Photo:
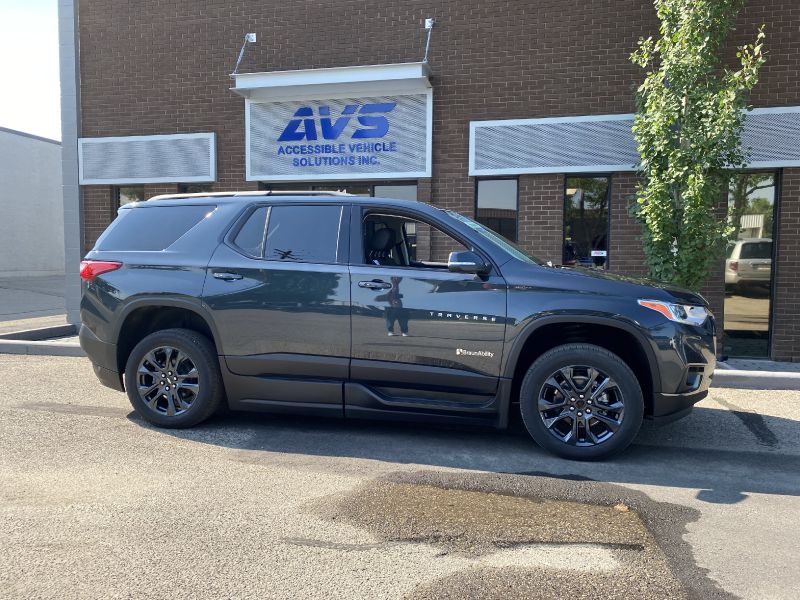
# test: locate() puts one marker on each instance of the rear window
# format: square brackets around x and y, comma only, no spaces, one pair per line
[153,228]
[756,250]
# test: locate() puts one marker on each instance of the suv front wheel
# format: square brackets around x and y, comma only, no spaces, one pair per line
[581,402]
[172,378]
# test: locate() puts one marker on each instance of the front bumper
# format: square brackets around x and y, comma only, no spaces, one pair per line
[104,358]
[687,360]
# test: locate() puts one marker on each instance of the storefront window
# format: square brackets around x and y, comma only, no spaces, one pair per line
[403,191]
[586,222]
[748,265]
[129,193]
[194,188]
[496,206]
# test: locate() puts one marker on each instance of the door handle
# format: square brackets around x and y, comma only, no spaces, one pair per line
[225,276]
[375,284]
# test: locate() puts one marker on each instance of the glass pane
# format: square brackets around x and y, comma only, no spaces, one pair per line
[748,266]
[303,233]
[497,206]
[402,192]
[151,228]
[130,193]
[409,243]
[194,188]
[251,236]
[586,222]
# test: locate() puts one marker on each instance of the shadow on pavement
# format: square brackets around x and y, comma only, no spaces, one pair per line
[724,475]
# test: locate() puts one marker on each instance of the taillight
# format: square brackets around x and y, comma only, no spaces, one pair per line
[733,265]
[92,268]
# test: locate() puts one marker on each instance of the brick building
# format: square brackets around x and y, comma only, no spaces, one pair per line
[520,117]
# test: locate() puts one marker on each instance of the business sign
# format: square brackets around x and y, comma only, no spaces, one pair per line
[386,137]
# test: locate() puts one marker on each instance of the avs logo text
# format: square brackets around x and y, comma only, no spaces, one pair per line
[307,126]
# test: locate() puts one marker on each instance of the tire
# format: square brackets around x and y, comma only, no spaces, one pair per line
[546,379]
[178,396]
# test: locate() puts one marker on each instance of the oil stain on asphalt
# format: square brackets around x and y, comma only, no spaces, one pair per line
[529,535]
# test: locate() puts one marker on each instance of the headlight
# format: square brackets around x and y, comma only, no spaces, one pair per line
[681,313]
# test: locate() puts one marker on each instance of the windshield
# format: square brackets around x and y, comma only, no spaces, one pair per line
[496,239]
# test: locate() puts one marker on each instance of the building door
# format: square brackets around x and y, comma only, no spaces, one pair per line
[749,265]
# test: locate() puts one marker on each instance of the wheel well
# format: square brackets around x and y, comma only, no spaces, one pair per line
[620,342]
[143,321]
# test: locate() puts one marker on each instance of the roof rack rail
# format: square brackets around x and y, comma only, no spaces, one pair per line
[250,194]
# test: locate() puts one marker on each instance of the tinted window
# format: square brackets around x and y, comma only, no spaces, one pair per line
[303,233]
[151,228]
[251,236]
[756,250]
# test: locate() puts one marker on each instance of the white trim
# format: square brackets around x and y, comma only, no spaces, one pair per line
[277,82]
[429,134]
[543,170]
[576,119]
[774,110]
[211,137]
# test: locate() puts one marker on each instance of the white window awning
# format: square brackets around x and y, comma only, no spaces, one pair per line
[397,78]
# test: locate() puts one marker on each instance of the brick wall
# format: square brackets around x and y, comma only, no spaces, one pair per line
[625,253]
[163,67]
[786,299]
[541,215]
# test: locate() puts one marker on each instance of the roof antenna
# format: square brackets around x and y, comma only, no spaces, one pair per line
[249,38]
[429,28]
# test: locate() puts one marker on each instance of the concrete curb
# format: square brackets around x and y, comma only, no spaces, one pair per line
[41,348]
[40,334]
[756,380]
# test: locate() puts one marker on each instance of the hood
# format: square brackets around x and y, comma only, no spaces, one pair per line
[580,279]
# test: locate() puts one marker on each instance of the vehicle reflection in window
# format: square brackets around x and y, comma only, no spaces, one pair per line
[748,265]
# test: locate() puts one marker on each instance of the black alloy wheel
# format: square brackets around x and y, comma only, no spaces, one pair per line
[173,379]
[582,402]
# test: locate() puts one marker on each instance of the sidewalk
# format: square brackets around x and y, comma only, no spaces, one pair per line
[31,302]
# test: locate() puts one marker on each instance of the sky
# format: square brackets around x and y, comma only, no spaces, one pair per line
[30,93]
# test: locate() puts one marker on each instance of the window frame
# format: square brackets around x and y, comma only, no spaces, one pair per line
[609,177]
[362,211]
[342,250]
[516,204]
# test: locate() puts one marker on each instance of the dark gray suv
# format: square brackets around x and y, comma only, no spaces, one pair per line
[329,304]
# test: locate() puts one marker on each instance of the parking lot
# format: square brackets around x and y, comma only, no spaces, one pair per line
[94,503]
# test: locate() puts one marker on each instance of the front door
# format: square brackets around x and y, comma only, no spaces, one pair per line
[280,293]
[424,339]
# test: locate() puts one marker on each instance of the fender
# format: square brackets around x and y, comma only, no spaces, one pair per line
[193,305]
[530,329]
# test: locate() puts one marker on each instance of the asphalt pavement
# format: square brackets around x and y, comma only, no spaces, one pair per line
[94,503]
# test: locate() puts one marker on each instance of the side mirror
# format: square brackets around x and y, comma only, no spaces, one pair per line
[467,262]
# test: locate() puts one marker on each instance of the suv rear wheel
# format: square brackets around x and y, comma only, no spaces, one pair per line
[172,378]
[581,402]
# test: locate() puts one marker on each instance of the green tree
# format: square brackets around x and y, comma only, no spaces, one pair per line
[688,123]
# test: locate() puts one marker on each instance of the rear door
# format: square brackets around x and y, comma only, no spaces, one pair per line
[279,292]
[425,340]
